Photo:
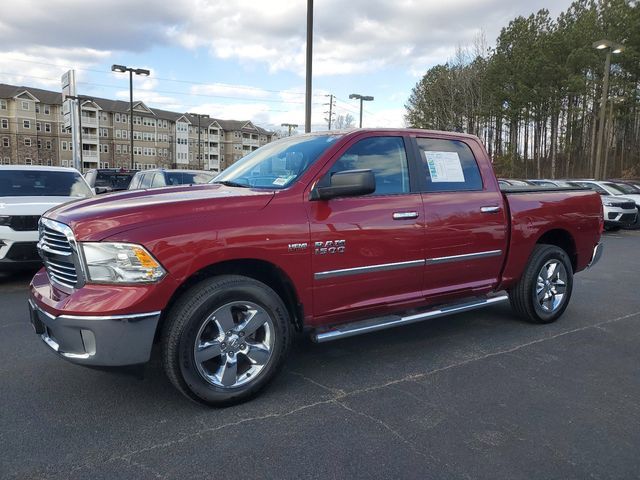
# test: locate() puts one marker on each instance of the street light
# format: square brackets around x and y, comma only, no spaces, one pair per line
[362,98]
[138,71]
[200,116]
[290,126]
[610,47]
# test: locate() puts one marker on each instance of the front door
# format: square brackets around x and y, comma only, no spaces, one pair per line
[368,251]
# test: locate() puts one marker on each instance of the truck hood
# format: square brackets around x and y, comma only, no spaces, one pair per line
[103,216]
[30,205]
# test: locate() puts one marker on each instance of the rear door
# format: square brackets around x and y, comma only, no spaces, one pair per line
[367,252]
[466,222]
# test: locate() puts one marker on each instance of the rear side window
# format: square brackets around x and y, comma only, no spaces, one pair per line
[158,180]
[448,165]
[385,157]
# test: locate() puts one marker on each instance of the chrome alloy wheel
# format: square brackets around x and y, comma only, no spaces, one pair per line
[551,285]
[234,344]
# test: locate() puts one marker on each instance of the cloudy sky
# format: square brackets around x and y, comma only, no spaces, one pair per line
[244,59]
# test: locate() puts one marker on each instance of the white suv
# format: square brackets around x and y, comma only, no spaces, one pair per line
[620,209]
[25,194]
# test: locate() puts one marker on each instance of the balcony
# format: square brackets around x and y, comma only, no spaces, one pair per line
[89,154]
[250,141]
[89,138]
[89,121]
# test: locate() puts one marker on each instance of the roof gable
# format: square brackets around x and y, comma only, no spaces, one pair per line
[25,95]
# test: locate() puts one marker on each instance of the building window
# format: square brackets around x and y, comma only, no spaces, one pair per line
[3,104]
[118,148]
[7,160]
[64,145]
[25,105]
[47,145]
[5,141]
[27,161]
[37,108]
[65,163]
[104,164]
[47,127]
[117,117]
[39,143]
[26,124]
[5,123]
[62,129]
[47,110]
[27,142]
[38,126]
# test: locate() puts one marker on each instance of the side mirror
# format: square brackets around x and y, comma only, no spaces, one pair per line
[101,190]
[350,183]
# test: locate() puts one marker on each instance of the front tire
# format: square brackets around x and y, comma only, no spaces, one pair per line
[225,339]
[543,292]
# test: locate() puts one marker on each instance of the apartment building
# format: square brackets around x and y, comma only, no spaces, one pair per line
[32,133]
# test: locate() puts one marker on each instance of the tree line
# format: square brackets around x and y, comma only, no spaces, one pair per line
[534,98]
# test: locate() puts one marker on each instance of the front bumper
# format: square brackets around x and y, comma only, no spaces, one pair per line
[114,340]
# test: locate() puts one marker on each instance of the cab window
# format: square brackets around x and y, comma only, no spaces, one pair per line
[448,165]
[385,157]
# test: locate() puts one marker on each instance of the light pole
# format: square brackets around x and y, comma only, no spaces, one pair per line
[290,126]
[137,71]
[610,47]
[199,116]
[307,95]
[362,98]
[330,112]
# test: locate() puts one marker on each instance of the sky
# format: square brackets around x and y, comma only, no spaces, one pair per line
[245,60]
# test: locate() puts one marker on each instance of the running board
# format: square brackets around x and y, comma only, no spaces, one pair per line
[381,323]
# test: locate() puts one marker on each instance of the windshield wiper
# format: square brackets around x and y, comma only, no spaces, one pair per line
[230,183]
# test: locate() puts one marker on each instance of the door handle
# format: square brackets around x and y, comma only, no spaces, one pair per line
[490,209]
[405,215]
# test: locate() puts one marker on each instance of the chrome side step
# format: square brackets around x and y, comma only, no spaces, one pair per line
[381,323]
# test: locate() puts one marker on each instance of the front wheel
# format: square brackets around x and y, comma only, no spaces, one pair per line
[225,339]
[543,292]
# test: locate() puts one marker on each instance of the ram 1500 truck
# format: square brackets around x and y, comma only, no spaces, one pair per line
[334,233]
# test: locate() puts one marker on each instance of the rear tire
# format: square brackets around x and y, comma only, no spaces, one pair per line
[544,290]
[225,339]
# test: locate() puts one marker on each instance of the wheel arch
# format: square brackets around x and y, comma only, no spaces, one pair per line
[563,239]
[260,270]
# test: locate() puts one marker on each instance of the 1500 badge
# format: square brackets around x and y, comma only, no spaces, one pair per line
[330,246]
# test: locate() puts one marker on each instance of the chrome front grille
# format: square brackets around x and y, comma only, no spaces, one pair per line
[54,241]
[57,249]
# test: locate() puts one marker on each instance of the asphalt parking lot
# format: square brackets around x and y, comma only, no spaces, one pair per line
[477,395]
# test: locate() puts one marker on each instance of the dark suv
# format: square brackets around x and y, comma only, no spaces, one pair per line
[166,178]
[105,180]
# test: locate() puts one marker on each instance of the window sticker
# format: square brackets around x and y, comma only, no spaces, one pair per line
[444,167]
[280,181]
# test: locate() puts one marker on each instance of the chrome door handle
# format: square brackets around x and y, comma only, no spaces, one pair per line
[490,209]
[405,215]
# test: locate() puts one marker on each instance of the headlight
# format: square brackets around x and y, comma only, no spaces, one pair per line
[608,204]
[5,220]
[120,263]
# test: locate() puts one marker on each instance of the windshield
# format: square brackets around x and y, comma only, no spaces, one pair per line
[116,181]
[278,164]
[185,178]
[623,187]
[34,183]
[592,186]
[614,189]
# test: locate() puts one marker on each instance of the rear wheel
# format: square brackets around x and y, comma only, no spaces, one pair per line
[225,339]
[543,292]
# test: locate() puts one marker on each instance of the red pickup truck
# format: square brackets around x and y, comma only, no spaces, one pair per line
[334,233]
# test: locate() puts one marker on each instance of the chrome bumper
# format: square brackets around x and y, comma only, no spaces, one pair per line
[115,340]
[597,254]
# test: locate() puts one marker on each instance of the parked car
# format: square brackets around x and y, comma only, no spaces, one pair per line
[619,211]
[543,183]
[25,194]
[165,178]
[616,189]
[334,233]
[512,182]
[105,180]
